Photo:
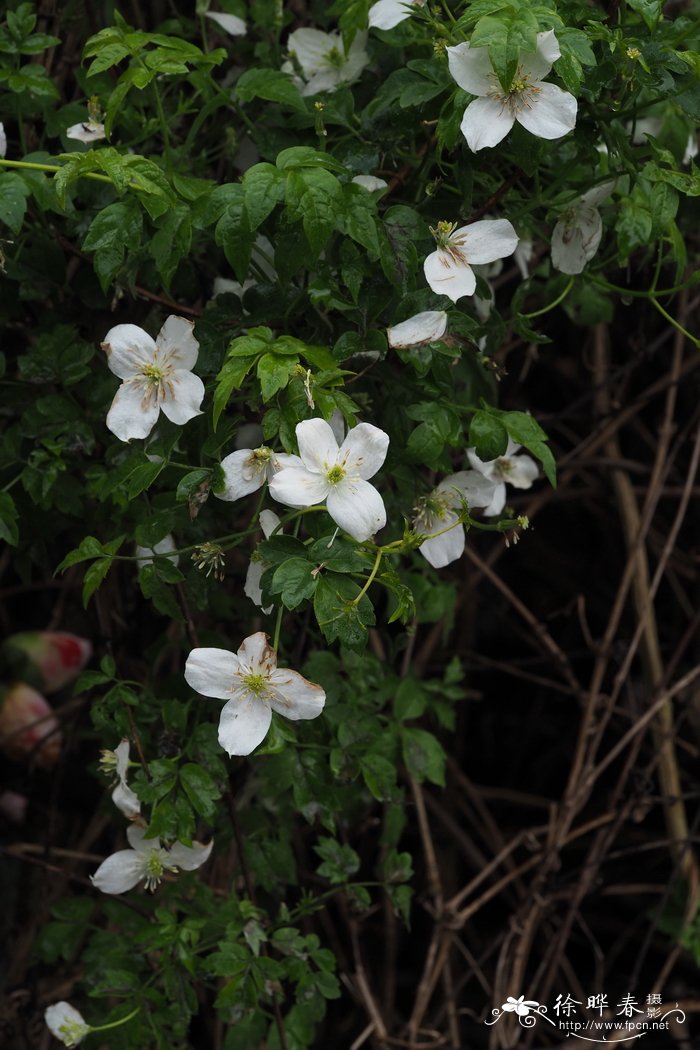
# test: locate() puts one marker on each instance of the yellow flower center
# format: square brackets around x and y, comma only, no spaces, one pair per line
[153,374]
[255,683]
[335,474]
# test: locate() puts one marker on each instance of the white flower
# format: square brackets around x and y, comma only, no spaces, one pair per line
[386,14]
[543,109]
[257,565]
[247,469]
[66,1023]
[123,797]
[337,475]
[518,471]
[448,270]
[577,234]
[164,547]
[323,61]
[156,375]
[422,328]
[230,23]
[691,149]
[523,255]
[3,140]
[520,1006]
[148,860]
[439,513]
[88,131]
[370,182]
[254,687]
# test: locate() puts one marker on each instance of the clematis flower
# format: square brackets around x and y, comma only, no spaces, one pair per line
[45,659]
[323,61]
[123,797]
[386,14]
[543,109]
[337,475]
[448,270]
[257,565]
[231,24]
[370,182]
[146,860]
[28,726]
[157,375]
[66,1023]
[518,471]
[576,236]
[247,469]
[88,131]
[164,547]
[439,513]
[253,687]
[422,328]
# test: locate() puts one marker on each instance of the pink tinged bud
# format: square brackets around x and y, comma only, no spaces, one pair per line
[13,806]
[28,726]
[56,657]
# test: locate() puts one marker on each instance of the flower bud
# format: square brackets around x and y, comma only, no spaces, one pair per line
[28,726]
[47,660]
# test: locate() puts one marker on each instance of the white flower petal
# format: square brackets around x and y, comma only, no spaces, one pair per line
[386,14]
[136,835]
[522,255]
[212,672]
[120,872]
[65,1022]
[498,502]
[599,193]
[128,349]
[337,425]
[257,654]
[121,753]
[89,131]
[551,114]
[448,546]
[477,489]
[448,277]
[357,508]
[251,587]
[485,241]
[370,182]
[295,697]
[189,858]
[364,450]
[243,474]
[133,413]
[244,724]
[325,80]
[176,343]
[575,242]
[183,396]
[268,522]
[231,23]
[522,471]
[425,327]
[3,140]
[317,445]
[486,122]
[298,487]
[471,68]
[536,66]
[310,47]
[163,547]
[126,801]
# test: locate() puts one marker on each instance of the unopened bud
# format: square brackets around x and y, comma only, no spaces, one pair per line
[45,659]
[28,726]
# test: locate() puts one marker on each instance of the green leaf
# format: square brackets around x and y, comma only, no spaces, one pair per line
[230,378]
[487,435]
[424,756]
[315,197]
[650,10]
[263,189]
[13,200]
[9,529]
[272,85]
[89,548]
[305,157]
[513,31]
[340,862]
[112,233]
[234,234]
[410,700]
[94,576]
[294,581]
[379,775]
[274,373]
[200,788]
[339,614]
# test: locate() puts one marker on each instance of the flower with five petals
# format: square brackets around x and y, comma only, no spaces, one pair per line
[156,376]
[253,686]
[337,475]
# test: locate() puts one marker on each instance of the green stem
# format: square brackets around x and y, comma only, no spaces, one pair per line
[550,306]
[671,320]
[115,1024]
[368,582]
[53,168]
[278,628]
[165,134]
